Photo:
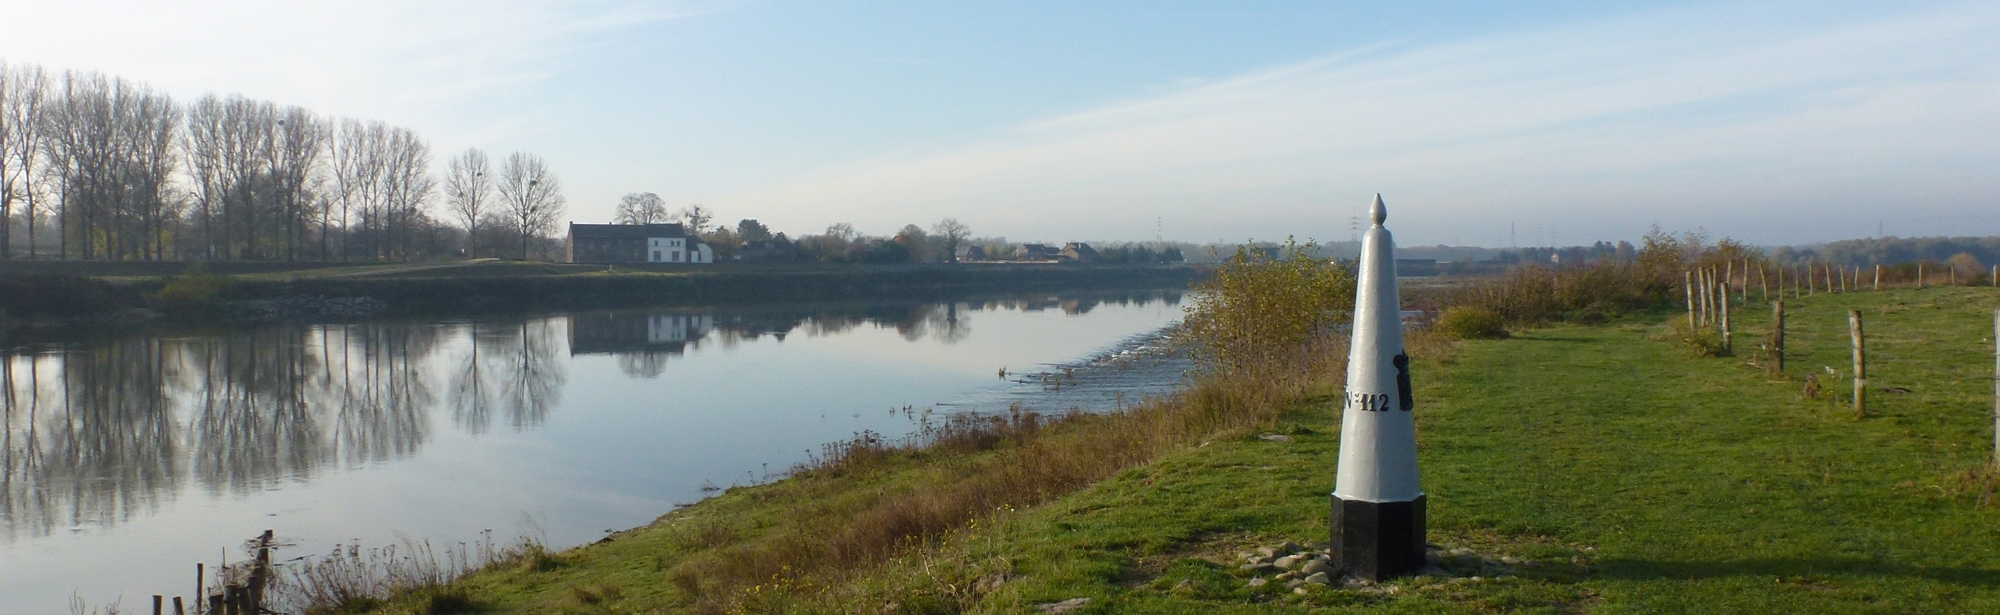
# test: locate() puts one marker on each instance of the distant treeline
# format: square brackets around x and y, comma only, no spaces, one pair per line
[31,298]
[1966,251]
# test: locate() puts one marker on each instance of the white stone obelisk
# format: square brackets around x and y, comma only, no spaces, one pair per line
[1378,505]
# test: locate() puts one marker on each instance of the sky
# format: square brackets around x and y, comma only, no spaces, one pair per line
[1480,123]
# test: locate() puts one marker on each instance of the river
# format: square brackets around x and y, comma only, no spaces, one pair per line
[126,460]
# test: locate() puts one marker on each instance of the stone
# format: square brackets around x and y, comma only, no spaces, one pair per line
[1289,575]
[1319,578]
[1267,551]
[1275,437]
[1291,547]
[1509,560]
[1318,566]
[1258,568]
[1289,561]
[1432,558]
[1258,582]
[1065,606]
[1301,590]
[1246,556]
[1294,583]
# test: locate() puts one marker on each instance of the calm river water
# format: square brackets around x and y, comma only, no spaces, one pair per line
[127,460]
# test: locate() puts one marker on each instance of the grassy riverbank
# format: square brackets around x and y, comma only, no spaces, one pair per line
[1622,472]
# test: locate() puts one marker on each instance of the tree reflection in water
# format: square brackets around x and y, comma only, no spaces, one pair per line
[95,433]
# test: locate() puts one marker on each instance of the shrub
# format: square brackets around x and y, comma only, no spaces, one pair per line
[1468,322]
[1257,312]
[195,287]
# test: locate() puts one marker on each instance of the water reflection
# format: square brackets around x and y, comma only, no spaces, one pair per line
[98,433]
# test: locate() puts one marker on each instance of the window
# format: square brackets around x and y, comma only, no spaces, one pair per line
[656,256]
[677,257]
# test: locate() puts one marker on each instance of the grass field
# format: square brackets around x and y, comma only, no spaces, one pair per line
[1624,473]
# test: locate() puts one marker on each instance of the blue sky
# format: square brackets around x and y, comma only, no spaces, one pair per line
[1568,122]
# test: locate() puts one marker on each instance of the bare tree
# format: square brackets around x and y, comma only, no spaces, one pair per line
[533,196]
[10,170]
[298,147]
[407,186]
[467,184]
[21,142]
[697,218]
[949,233]
[642,208]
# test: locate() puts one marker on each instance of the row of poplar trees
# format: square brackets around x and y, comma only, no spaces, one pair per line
[97,167]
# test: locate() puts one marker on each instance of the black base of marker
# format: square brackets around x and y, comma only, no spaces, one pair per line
[1378,540]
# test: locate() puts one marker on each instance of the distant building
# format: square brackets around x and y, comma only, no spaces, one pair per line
[634,243]
[1076,252]
[971,253]
[1416,267]
[1036,252]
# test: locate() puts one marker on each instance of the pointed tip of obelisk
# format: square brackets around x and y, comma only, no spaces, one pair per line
[1377,212]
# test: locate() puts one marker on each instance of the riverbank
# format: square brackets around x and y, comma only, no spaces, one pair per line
[53,294]
[1570,468]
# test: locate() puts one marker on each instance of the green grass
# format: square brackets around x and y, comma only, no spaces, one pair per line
[1632,475]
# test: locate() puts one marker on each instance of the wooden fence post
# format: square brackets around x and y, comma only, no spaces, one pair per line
[1878,277]
[1778,340]
[1727,348]
[1996,387]
[1860,363]
[1687,282]
[1701,282]
[1843,277]
[1764,285]
[1920,275]
[1744,296]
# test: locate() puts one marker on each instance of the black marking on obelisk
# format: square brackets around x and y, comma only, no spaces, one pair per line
[1403,394]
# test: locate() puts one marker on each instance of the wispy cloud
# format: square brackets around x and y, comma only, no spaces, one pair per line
[1737,119]
[416,61]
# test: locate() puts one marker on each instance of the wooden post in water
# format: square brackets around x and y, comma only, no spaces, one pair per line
[200,583]
[159,604]
[179,609]
[1860,363]
[1778,341]
[1727,348]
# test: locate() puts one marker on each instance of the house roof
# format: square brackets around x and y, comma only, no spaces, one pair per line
[625,231]
[1080,249]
